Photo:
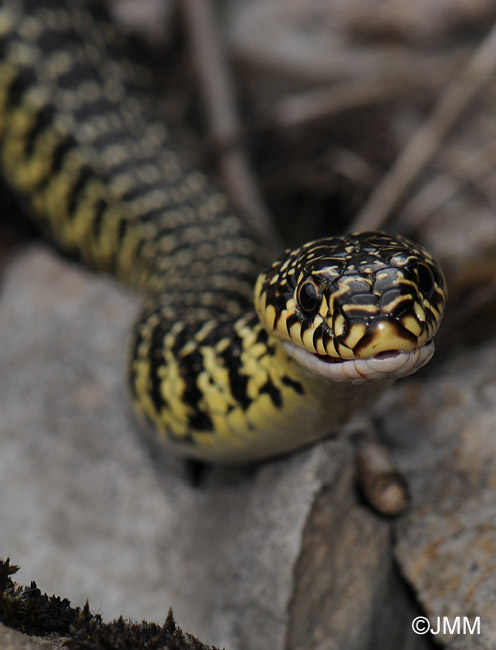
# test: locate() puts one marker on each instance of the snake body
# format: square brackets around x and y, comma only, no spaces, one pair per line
[217,375]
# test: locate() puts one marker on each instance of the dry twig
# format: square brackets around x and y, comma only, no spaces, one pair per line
[318,103]
[427,140]
[383,487]
[470,170]
[221,114]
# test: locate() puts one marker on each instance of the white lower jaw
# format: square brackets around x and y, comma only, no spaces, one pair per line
[362,371]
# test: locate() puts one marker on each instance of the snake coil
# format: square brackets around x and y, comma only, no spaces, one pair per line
[83,146]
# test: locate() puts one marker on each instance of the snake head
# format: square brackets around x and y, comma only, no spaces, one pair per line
[356,308]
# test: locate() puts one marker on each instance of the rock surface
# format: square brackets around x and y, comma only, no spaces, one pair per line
[444,441]
[280,556]
[13,640]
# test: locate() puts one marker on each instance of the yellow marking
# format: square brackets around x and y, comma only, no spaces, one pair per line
[307,339]
[215,398]
[270,315]
[212,206]
[113,89]
[334,296]
[344,352]
[368,309]
[411,324]
[64,124]
[30,171]
[386,337]
[149,174]
[419,312]
[26,54]
[205,331]
[295,331]
[282,325]
[56,18]
[151,201]
[114,155]
[21,121]
[426,336]
[195,183]
[7,20]
[121,184]
[172,387]
[89,92]
[188,348]
[339,325]
[58,63]
[30,28]
[324,307]
[355,333]
[320,346]
[222,345]
[330,349]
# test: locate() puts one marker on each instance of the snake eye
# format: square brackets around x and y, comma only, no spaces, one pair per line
[426,280]
[309,296]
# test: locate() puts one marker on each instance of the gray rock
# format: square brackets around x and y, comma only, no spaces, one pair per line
[13,640]
[280,556]
[444,441]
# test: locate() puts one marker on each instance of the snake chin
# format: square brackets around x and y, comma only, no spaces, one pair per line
[386,365]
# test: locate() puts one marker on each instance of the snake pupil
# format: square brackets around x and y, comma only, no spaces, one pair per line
[309,296]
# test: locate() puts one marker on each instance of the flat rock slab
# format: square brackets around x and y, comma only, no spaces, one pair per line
[281,556]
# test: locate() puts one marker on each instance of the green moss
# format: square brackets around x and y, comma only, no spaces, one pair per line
[28,610]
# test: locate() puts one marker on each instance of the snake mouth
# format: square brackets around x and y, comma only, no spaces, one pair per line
[391,364]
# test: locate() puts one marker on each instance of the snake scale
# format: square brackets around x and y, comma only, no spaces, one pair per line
[228,362]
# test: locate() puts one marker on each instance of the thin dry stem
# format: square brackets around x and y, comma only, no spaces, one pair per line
[315,104]
[221,114]
[470,170]
[425,143]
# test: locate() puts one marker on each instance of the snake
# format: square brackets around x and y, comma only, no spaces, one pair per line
[233,357]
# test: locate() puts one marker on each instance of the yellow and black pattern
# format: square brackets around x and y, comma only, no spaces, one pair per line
[83,145]
[353,297]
